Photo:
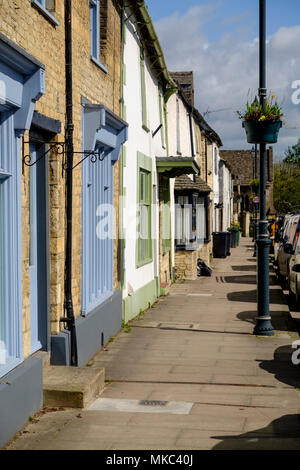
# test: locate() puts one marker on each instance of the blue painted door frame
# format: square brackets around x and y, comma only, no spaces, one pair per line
[98,232]
[39,219]
[22,83]
[102,130]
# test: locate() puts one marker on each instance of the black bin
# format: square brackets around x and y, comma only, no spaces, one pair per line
[221,244]
[228,239]
[233,242]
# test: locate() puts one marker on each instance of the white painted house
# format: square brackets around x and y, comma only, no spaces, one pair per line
[217,204]
[146,87]
[190,200]
[226,195]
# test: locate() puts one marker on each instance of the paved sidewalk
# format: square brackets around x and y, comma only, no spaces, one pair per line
[194,346]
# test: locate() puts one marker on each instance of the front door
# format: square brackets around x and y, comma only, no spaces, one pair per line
[98,232]
[38,262]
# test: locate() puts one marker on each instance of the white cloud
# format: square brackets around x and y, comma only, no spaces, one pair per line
[224,71]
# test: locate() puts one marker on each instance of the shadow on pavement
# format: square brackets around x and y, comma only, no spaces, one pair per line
[280,320]
[248,316]
[246,279]
[282,366]
[249,267]
[276,296]
[281,434]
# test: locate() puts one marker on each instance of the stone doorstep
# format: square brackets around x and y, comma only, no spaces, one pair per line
[72,387]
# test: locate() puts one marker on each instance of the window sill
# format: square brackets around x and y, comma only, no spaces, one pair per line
[188,247]
[45,12]
[101,66]
[145,128]
[140,264]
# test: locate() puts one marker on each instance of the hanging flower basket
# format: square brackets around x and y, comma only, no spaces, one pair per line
[262,132]
[262,123]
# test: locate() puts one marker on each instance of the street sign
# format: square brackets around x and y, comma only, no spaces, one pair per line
[256,200]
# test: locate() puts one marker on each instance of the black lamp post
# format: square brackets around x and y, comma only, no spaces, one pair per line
[255,203]
[263,320]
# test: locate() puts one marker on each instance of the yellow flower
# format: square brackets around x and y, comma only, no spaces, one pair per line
[262,118]
[273,96]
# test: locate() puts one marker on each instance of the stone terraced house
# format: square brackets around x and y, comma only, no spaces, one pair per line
[99,143]
[39,114]
[242,165]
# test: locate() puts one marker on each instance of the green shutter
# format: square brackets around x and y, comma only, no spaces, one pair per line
[144,208]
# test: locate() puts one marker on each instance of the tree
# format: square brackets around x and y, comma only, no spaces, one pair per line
[286,187]
[292,154]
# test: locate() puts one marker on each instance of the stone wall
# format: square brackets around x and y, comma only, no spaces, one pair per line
[24,24]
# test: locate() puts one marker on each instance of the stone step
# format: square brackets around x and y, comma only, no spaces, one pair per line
[72,387]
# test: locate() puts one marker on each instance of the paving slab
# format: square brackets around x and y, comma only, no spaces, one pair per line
[194,346]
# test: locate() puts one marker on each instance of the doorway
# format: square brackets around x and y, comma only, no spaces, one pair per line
[39,248]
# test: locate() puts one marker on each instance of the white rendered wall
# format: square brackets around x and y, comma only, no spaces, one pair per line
[139,140]
[216,187]
[185,140]
[185,149]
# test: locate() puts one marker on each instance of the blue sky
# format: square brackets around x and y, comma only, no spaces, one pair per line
[232,14]
[218,40]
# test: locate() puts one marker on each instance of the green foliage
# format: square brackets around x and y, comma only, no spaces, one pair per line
[255,111]
[126,327]
[286,187]
[254,184]
[292,154]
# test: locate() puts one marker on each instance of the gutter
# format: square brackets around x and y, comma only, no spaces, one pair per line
[143,17]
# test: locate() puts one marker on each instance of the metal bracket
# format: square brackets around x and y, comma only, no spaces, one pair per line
[262,92]
[26,158]
[156,130]
[96,155]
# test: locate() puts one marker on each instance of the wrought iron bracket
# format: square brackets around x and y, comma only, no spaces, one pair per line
[95,155]
[27,158]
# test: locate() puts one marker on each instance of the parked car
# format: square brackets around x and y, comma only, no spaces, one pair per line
[294,277]
[280,221]
[271,232]
[287,247]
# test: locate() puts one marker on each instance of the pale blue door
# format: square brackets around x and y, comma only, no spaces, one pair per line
[98,233]
[33,256]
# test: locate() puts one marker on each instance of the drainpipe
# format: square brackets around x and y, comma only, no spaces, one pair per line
[68,304]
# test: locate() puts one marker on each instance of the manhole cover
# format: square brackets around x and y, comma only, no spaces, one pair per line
[153,403]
